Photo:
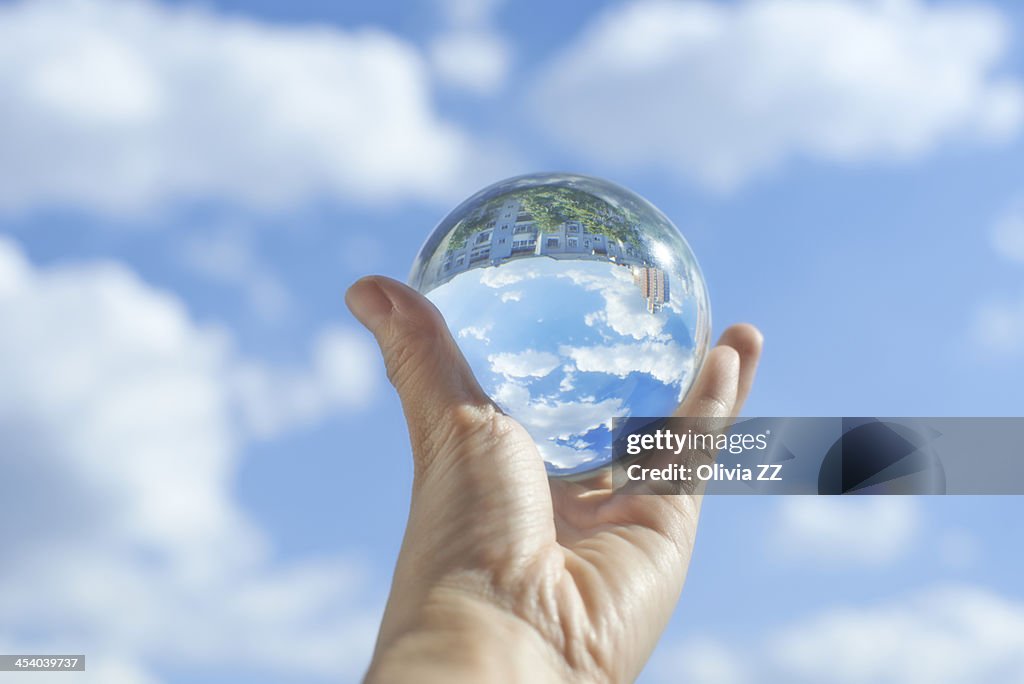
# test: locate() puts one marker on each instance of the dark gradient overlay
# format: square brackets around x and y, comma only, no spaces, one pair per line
[819,455]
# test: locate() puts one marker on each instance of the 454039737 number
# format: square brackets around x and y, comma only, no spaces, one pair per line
[42,663]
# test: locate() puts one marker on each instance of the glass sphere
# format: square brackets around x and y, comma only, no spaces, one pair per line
[574,300]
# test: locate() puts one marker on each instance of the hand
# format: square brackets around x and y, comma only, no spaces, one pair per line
[505,575]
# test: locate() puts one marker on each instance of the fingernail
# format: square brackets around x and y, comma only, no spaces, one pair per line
[368,302]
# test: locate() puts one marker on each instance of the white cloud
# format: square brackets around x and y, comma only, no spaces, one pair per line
[551,422]
[864,530]
[723,92]
[474,60]
[1008,234]
[117,510]
[469,53]
[529,363]
[998,327]
[507,275]
[667,362]
[477,332]
[513,296]
[122,106]
[942,635]
[625,311]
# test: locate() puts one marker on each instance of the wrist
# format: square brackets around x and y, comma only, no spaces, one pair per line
[477,643]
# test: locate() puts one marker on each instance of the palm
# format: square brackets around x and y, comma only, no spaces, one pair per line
[601,546]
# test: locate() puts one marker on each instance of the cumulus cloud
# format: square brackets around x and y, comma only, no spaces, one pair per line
[667,362]
[470,54]
[122,422]
[723,92]
[625,311]
[511,274]
[551,422]
[568,381]
[471,59]
[946,635]
[865,530]
[513,296]
[529,363]
[942,635]
[477,332]
[120,106]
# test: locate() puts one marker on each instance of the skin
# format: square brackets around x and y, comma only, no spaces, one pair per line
[505,575]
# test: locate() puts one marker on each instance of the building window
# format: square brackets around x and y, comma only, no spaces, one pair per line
[482,238]
[586,243]
[572,242]
[461,260]
[501,241]
[552,242]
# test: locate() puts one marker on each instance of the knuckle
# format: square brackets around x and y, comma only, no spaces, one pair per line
[480,421]
[714,406]
[472,427]
[463,429]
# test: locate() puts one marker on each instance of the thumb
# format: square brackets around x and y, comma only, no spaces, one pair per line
[439,393]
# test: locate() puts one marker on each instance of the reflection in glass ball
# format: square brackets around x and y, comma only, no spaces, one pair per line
[574,300]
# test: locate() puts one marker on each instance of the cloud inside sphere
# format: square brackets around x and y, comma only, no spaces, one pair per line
[574,301]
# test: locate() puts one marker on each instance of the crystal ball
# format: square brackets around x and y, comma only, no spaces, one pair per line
[574,300]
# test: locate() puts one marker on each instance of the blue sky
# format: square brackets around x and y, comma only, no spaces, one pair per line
[204,460]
